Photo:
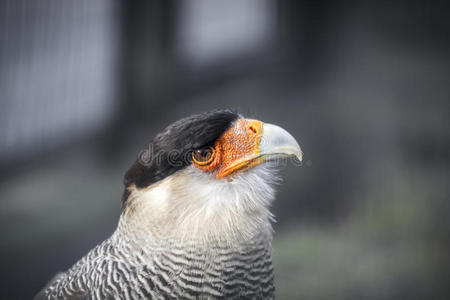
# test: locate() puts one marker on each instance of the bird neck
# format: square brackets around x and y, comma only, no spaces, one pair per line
[207,244]
[180,210]
[203,228]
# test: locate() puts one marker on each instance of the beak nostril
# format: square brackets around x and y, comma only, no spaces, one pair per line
[252,128]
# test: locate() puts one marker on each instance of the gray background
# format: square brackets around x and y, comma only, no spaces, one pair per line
[364,86]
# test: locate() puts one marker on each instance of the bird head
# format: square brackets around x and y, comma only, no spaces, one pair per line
[207,174]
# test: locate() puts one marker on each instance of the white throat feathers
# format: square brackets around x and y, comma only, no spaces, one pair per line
[192,205]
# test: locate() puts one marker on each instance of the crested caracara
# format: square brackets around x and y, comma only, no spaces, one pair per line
[195,222]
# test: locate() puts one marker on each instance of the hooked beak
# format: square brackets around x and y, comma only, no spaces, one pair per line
[276,142]
[251,142]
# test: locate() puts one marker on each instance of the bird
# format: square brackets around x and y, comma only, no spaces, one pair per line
[195,220]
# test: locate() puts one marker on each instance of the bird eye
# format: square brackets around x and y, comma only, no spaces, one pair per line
[203,156]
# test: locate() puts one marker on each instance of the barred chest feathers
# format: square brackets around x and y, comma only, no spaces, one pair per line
[217,247]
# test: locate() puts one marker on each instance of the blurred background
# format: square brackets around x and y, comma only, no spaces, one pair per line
[363,85]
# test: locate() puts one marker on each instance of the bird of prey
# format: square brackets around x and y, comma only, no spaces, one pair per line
[195,222]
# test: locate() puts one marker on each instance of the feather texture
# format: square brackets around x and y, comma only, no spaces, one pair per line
[179,239]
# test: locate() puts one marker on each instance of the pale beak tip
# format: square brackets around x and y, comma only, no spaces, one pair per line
[277,140]
[299,155]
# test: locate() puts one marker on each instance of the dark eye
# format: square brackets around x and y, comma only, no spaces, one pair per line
[203,156]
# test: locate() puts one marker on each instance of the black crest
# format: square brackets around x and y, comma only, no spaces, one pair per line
[171,149]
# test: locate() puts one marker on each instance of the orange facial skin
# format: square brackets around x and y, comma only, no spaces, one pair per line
[236,150]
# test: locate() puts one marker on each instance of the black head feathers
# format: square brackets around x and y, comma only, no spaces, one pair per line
[171,149]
